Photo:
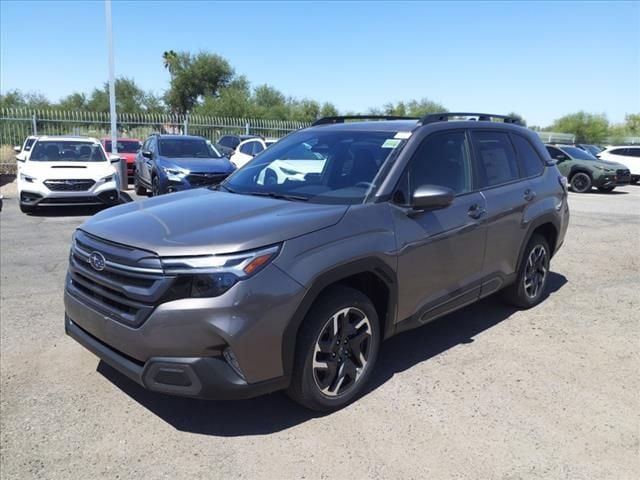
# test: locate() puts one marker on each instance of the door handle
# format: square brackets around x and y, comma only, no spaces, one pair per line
[529,195]
[476,211]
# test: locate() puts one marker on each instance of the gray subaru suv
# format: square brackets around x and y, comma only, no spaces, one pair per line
[290,273]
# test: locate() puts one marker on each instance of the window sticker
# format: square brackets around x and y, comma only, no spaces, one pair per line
[391,143]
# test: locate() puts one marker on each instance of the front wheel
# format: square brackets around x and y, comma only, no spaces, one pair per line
[140,190]
[605,189]
[336,350]
[531,282]
[580,182]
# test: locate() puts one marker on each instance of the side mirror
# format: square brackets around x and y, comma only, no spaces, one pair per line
[114,158]
[17,149]
[21,159]
[431,197]
[147,154]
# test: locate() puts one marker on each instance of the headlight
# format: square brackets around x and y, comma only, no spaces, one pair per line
[27,178]
[604,169]
[212,275]
[175,172]
[110,178]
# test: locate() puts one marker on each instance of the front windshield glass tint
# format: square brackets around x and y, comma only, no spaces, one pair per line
[124,146]
[575,152]
[67,151]
[322,167]
[183,148]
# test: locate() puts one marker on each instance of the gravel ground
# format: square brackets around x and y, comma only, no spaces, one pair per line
[487,392]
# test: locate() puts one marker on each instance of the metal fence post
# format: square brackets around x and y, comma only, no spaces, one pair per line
[246,129]
[34,125]
[186,124]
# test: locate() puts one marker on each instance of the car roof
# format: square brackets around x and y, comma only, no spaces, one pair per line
[119,139]
[379,126]
[180,137]
[68,138]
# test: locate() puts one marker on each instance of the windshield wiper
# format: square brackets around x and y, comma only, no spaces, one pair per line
[279,196]
[220,186]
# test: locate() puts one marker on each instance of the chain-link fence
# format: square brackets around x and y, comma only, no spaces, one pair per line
[17,124]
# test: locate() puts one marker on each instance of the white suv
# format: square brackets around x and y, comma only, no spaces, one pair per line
[628,155]
[250,148]
[66,171]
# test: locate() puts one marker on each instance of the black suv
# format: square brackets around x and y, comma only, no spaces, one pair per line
[366,229]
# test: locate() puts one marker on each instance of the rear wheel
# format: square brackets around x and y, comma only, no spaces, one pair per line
[605,189]
[528,289]
[336,350]
[140,190]
[580,182]
[155,186]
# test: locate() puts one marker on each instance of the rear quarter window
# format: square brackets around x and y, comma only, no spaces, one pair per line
[530,161]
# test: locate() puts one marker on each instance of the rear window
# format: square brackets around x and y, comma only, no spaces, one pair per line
[124,146]
[67,151]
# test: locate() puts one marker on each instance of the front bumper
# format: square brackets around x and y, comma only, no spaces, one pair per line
[612,180]
[172,184]
[37,194]
[198,377]
[191,335]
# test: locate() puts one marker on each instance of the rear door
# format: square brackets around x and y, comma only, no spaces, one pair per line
[507,196]
[440,252]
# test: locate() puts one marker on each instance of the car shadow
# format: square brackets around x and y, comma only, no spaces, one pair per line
[612,192]
[276,412]
[6,178]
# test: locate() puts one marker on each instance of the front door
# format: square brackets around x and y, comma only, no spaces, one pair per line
[440,253]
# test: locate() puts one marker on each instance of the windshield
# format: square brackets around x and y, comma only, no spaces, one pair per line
[593,150]
[322,167]
[67,151]
[187,148]
[575,152]
[124,146]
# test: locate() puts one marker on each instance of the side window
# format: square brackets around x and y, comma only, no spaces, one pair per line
[153,146]
[633,152]
[619,151]
[247,148]
[530,161]
[441,159]
[257,148]
[556,153]
[496,158]
[145,145]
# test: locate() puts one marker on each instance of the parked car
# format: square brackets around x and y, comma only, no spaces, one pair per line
[169,163]
[585,171]
[248,149]
[628,155]
[231,142]
[247,288]
[592,149]
[127,149]
[23,151]
[66,171]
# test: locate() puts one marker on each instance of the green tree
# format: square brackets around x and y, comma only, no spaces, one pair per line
[269,102]
[194,77]
[17,99]
[587,127]
[130,98]
[328,110]
[517,116]
[411,108]
[76,101]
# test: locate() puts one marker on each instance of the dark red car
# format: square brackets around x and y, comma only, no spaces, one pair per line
[127,149]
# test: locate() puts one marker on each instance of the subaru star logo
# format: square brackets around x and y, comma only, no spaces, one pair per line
[97,261]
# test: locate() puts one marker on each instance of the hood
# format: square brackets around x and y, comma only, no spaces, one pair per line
[202,221]
[203,165]
[608,164]
[66,170]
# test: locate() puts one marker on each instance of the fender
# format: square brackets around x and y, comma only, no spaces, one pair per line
[365,265]
[543,219]
[582,169]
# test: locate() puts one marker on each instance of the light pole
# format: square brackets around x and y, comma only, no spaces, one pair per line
[112,97]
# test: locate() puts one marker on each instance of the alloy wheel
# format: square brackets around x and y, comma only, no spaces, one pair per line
[581,182]
[342,352]
[535,273]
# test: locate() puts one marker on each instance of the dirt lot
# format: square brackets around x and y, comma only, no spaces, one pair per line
[485,393]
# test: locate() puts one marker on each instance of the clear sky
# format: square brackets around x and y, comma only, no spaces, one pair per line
[541,59]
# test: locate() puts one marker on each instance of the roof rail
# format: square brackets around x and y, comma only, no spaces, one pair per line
[482,117]
[342,118]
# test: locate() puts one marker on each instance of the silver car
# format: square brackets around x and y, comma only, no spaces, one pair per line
[250,286]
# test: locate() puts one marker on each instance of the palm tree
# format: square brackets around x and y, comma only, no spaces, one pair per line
[170,60]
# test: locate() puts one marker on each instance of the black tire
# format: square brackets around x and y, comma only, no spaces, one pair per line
[139,189]
[518,293]
[605,189]
[580,182]
[155,186]
[635,180]
[317,328]
[27,208]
